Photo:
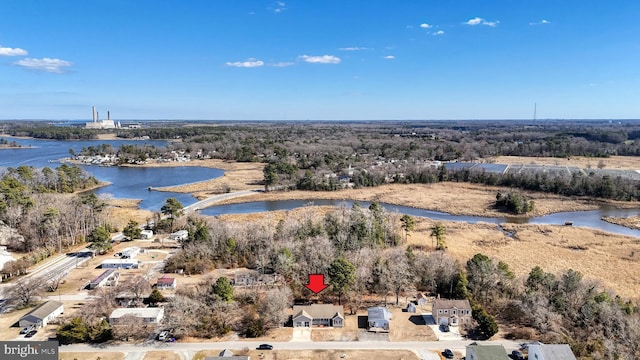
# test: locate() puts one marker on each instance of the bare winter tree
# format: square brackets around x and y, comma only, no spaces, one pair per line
[138,286]
[24,292]
[273,307]
[131,327]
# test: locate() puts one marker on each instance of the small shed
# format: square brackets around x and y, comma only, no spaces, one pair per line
[41,315]
[180,235]
[421,299]
[411,308]
[146,234]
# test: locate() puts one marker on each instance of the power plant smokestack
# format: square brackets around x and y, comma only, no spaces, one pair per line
[97,116]
[93,108]
[108,115]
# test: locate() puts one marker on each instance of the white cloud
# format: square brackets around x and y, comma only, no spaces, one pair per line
[279,7]
[480,21]
[324,59]
[249,63]
[45,64]
[426,26]
[7,51]
[355,48]
[439,32]
[541,22]
[282,64]
[389,57]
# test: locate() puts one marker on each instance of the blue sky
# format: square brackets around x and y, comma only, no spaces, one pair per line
[311,59]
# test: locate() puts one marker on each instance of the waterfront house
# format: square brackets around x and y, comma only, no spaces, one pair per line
[41,315]
[452,312]
[318,315]
[378,318]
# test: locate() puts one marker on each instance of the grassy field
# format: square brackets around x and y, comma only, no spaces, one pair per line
[317,354]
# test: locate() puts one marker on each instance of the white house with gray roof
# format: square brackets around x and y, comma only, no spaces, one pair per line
[378,318]
[41,315]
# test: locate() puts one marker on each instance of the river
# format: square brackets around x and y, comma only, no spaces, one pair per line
[125,182]
[133,183]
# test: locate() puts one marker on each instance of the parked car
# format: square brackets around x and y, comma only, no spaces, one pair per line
[265,347]
[517,355]
[27,329]
[31,333]
[448,354]
[444,327]
[163,336]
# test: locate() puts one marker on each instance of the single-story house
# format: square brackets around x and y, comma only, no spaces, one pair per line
[486,352]
[120,264]
[108,277]
[421,299]
[551,352]
[451,312]
[318,315]
[179,235]
[41,315]
[226,354]
[151,315]
[378,318]
[166,282]
[128,253]
[146,234]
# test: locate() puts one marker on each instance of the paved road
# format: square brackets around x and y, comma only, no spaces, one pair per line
[215,198]
[417,346]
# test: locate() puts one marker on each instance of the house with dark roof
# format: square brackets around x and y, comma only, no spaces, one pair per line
[451,312]
[486,352]
[318,315]
[41,315]
[551,352]
[378,318]
[108,277]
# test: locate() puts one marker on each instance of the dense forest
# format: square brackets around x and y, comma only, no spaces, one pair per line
[42,215]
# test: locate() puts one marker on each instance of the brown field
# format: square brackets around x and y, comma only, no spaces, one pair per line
[554,248]
[613,162]
[162,355]
[316,354]
[102,355]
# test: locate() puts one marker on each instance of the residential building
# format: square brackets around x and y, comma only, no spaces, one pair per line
[41,315]
[120,264]
[146,234]
[128,253]
[151,315]
[226,354]
[166,282]
[378,318]
[108,277]
[550,352]
[180,235]
[486,352]
[452,312]
[318,315]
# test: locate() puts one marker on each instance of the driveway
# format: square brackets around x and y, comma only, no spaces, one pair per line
[451,335]
[301,334]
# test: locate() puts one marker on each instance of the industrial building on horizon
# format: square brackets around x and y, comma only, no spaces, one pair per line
[101,124]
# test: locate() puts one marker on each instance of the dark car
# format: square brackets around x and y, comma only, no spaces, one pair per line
[444,328]
[517,355]
[265,347]
[448,354]
[26,329]
[31,333]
